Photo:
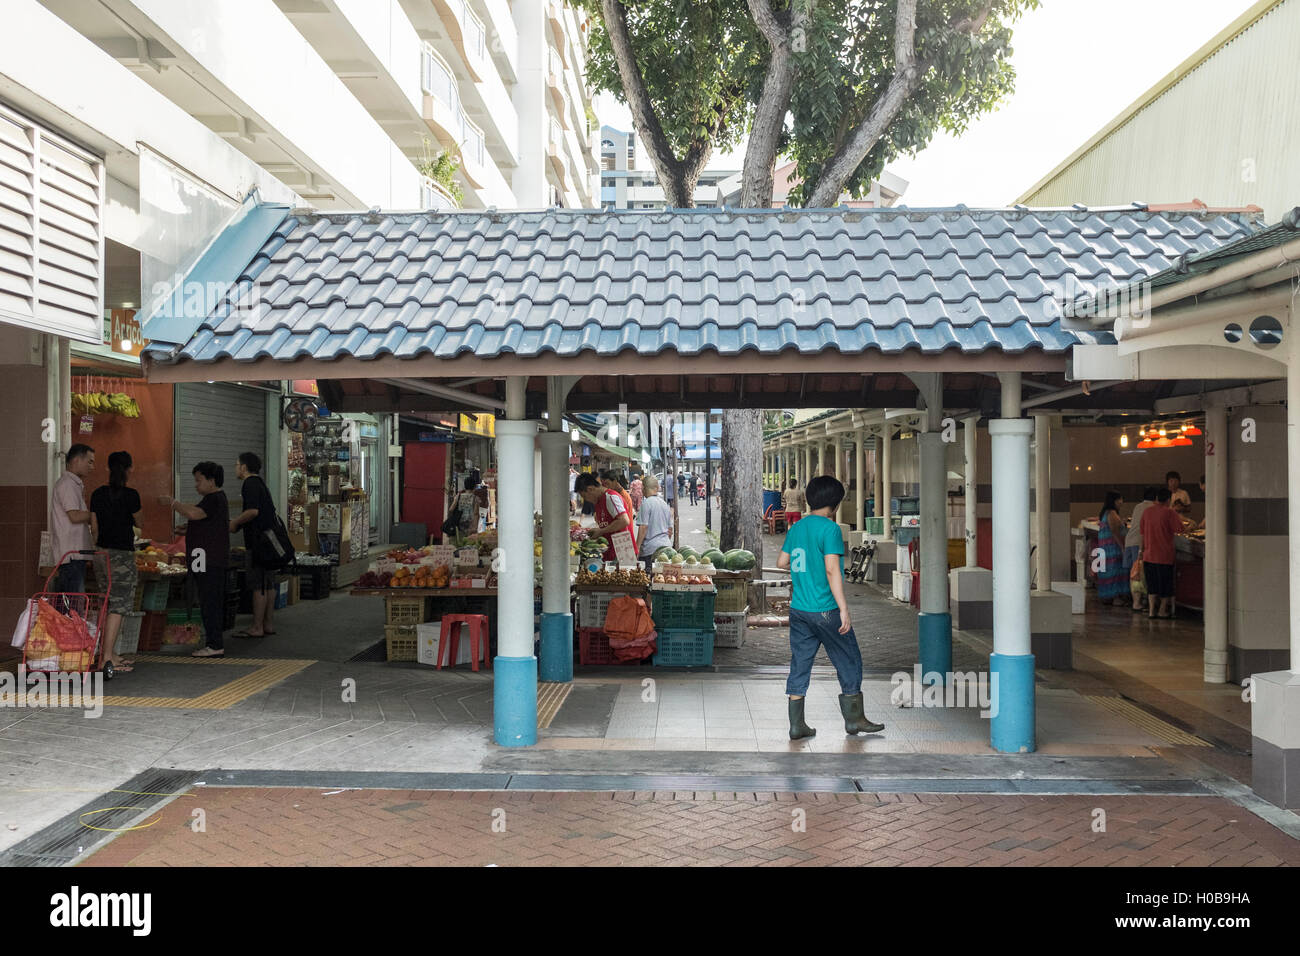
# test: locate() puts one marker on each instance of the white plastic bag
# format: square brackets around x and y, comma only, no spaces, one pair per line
[24,622]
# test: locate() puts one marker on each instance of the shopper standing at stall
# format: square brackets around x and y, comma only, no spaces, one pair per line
[256,518]
[1112,579]
[1133,546]
[654,523]
[465,507]
[636,492]
[69,520]
[1160,523]
[613,519]
[113,510]
[207,549]
[819,613]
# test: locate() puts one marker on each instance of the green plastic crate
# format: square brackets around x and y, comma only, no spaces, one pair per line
[684,648]
[154,595]
[683,609]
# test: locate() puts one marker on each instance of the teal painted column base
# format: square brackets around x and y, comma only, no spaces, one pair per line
[1011,725]
[557,647]
[514,701]
[934,632]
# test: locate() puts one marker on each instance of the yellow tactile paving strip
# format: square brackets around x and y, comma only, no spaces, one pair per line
[1148,722]
[266,674]
[550,698]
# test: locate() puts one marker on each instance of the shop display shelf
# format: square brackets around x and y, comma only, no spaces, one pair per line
[404,610]
[733,593]
[684,610]
[128,638]
[729,628]
[403,641]
[682,647]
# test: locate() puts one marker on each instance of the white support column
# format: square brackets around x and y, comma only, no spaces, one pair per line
[556,663]
[1042,505]
[805,472]
[860,480]
[972,523]
[887,470]
[514,697]
[1216,544]
[934,626]
[1011,665]
[879,509]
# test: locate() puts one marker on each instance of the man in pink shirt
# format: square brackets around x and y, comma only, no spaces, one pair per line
[70,520]
[1160,523]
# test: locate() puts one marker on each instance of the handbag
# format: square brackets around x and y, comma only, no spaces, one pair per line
[452,525]
[274,549]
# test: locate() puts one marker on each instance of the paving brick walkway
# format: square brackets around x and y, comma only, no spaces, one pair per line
[294,826]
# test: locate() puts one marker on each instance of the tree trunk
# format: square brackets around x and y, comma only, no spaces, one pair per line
[742,492]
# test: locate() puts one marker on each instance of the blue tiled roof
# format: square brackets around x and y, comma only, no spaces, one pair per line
[334,285]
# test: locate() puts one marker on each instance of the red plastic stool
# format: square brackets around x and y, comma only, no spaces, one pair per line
[449,639]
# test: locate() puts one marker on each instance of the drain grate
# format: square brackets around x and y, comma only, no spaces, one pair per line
[95,823]
[375,652]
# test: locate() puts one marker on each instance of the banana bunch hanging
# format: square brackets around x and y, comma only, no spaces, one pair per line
[99,403]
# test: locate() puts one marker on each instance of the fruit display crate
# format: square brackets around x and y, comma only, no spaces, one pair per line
[594,649]
[733,592]
[681,647]
[154,595]
[402,641]
[593,605]
[313,582]
[405,610]
[729,628]
[683,610]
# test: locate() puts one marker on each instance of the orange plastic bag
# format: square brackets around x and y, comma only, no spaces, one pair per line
[627,619]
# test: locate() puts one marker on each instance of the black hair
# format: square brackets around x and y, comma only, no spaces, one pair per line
[584,481]
[75,452]
[794,482]
[1163,495]
[1149,493]
[118,464]
[1173,474]
[251,461]
[824,492]
[212,471]
[1111,504]
[470,483]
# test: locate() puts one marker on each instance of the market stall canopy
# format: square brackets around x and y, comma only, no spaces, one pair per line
[671,309]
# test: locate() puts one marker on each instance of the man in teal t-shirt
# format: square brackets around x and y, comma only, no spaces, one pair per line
[819,615]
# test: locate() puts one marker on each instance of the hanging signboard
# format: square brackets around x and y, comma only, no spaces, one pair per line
[481,424]
[124,335]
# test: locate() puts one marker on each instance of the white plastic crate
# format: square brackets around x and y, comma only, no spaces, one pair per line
[428,638]
[729,628]
[593,605]
[128,637]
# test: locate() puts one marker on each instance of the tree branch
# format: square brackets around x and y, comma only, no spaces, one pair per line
[661,154]
[907,77]
[756,179]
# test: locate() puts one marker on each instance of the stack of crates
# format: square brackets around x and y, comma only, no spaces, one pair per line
[684,622]
[733,593]
[729,628]
[402,618]
[152,626]
[313,582]
[128,638]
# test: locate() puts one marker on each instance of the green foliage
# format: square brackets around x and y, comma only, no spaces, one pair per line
[704,63]
[441,166]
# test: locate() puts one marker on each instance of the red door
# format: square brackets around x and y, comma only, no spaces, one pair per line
[424,484]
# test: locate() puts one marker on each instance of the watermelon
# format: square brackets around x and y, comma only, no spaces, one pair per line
[688,552]
[714,556]
[738,559]
[665,554]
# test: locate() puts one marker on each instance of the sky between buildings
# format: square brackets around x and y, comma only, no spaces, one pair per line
[1078,64]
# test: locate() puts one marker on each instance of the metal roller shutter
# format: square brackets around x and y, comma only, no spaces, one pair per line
[216,423]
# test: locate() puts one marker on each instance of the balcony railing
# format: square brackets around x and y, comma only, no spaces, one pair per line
[438,81]
[472,144]
[475,34]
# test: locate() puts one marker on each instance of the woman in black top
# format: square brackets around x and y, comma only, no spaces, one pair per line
[257,517]
[207,549]
[113,508]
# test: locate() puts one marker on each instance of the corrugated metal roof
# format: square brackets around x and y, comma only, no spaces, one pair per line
[334,285]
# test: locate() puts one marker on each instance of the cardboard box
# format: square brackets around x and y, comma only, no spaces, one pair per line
[333,521]
[427,643]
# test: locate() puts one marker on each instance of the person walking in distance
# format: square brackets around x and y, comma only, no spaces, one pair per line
[113,509]
[257,517]
[692,486]
[792,502]
[69,520]
[207,550]
[813,552]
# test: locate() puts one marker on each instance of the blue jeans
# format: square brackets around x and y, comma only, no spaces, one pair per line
[812,629]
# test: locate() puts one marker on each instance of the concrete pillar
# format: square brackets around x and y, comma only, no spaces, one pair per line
[557,622]
[860,479]
[1062,550]
[934,625]
[886,467]
[1275,716]
[879,470]
[514,692]
[1216,545]
[805,467]
[1050,621]
[970,589]
[1042,507]
[1011,666]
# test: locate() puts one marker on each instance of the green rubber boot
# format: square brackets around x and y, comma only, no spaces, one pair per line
[855,721]
[798,729]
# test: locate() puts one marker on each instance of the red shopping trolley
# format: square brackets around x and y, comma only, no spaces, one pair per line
[65,631]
